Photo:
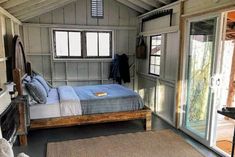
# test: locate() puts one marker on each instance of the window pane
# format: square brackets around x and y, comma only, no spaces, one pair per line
[61,39]
[153,60]
[156,50]
[157,70]
[75,43]
[91,44]
[152,69]
[157,60]
[104,44]
[156,40]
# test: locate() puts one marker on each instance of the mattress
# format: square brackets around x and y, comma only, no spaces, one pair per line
[118,99]
[49,110]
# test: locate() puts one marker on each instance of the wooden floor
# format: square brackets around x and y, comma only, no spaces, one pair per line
[38,139]
[224,134]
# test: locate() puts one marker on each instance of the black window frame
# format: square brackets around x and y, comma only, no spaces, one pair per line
[110,44]
[150,55]
[83,44]
[54,44]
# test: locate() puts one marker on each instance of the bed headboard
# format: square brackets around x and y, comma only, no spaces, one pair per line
[21,67]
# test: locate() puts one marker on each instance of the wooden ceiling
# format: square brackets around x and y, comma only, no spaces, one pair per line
[26,9]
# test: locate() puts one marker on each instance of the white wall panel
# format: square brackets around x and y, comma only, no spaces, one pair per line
[113,15]
[58,16]
[159,92]
[46,18]
[34,40]
[83,72]
[81,12]
[36,63]
[45,64]
[37,41]
[122,41]
[165,104]
[172,56]
[70,14]
[45,40]
[72,71]
[124,16]
[59,71]
[94,70]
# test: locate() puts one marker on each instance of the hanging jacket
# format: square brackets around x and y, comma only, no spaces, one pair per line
[119,70]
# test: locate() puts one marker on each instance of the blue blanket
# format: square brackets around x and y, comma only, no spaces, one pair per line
[118,99]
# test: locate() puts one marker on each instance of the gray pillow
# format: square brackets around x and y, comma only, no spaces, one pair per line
[37,91]
[43,82]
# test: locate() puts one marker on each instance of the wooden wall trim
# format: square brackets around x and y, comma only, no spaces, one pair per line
[180,68]
[80,26]
[161,31]
[155,79]
[221,8]
[7,14]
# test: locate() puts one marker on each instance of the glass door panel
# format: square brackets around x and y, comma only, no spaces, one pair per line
[202,35]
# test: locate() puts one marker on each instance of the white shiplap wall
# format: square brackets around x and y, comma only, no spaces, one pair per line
[37,39]
[159,93]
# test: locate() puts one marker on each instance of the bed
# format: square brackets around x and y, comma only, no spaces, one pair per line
[80,106]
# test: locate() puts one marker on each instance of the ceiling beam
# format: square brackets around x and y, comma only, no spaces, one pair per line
[153,3]
[165,1]
[7,14]
[141,4]
[2,1]
[43,9]
[132,6]
[24,6]
[43,5]
[13,3]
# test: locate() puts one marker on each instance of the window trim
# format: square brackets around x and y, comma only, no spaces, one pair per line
[54,44]
[150,49]
[83,45]
[110,44]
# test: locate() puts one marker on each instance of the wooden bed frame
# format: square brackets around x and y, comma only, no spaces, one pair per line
[22,68]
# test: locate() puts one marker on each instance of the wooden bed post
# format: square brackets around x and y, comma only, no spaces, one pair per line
[148,121]
[21,130]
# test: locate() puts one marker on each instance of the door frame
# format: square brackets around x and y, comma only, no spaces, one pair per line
[211,115]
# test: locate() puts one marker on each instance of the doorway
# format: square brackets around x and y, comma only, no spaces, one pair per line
[200,70]
[225,126]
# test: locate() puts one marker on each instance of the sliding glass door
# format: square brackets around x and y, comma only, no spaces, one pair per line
[200,64]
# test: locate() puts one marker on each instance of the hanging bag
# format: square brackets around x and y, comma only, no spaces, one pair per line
[141,49]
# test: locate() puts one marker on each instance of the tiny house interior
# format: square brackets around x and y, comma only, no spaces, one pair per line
[117,78]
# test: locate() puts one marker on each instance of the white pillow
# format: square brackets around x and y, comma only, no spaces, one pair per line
[5,149]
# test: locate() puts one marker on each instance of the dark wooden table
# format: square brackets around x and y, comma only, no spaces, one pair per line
[230,114]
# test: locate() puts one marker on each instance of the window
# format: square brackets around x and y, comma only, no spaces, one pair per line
[155,54]
[98,44]
[82,44]
[97,8]
[67,44]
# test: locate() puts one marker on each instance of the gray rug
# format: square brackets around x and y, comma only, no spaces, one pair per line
[142,144]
